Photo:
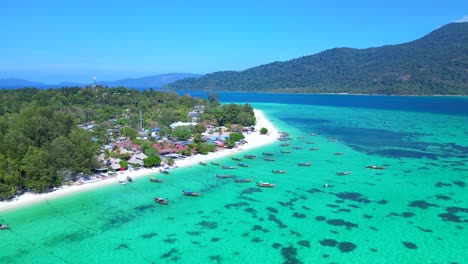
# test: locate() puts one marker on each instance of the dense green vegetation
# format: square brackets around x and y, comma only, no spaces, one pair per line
[42,146]
[434,64]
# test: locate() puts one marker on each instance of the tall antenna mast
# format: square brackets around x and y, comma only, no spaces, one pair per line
[94,81]
[141,121]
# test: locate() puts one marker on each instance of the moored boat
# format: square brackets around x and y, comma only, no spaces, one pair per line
[244,180]
[245,165]
[304,164]
[236,158]
[224,175]
[161,200]
[279,171]
[3,226]
[338,153]
[285,151]
[265,184]
[215,163]
[129,179]
[250,156]
[285,145]
[375,167]
[298,147]
[202,163]
[268,153]
[153,179]
[189,193]
[164,171]
[269,159]
[314,149]
[229,167]
[342,173]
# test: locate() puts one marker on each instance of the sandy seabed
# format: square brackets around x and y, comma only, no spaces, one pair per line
[254,140]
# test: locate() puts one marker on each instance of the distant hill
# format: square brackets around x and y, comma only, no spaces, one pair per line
[154,81]
[18,83]
[434,64]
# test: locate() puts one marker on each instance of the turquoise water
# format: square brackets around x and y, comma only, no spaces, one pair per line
[414,211]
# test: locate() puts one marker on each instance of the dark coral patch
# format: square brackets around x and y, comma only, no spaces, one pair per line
[276,245]
[292,232]
[256,240]
[346,246]
[236,205]
[320,218]
[149,235]
[424,229]
[353,196]
[297,215]
[208,224]
[422,204]
[325,256]
[442,197]
[451,215]
[459,183]
[366,216]
[169,253]
[333,205]
[313,190]
[304,243]
[260,228]
[305,208]
[341,222]
[121,246]
[216,258]
[407,214]
[441,184]
[373,249]
[272,210]
[195,233]
[143,207]
[382,202]
[344,210]
[250,210]
[251,190]
[410,245]
[273,218]
[290,255]
[329,242]
[353,206]
[215,239]
[373,228]
[170,240]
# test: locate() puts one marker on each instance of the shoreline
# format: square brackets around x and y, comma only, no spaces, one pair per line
[254,140]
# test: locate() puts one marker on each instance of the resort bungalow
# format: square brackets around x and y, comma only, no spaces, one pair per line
[165,148]
[182,124]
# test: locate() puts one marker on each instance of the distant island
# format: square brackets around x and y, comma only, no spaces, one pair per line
[153,81]
[435,64]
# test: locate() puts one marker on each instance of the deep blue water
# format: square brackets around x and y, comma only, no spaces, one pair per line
[452,105]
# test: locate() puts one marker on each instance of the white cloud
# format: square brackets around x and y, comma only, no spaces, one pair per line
[463,19]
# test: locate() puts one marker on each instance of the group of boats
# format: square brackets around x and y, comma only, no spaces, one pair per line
[164,201]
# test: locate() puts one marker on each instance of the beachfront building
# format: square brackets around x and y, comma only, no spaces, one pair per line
[182,124]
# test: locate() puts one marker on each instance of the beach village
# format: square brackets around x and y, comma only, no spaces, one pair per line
[115,170]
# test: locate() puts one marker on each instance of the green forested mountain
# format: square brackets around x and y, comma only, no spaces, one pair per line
[434,64]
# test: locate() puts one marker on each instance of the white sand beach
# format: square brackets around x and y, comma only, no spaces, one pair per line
[254,140]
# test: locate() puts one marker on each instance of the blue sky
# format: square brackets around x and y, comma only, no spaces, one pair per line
[54,41]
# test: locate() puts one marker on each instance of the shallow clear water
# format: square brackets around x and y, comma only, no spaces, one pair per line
[414,211]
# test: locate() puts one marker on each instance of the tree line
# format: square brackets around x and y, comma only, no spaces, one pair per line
[41,145]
